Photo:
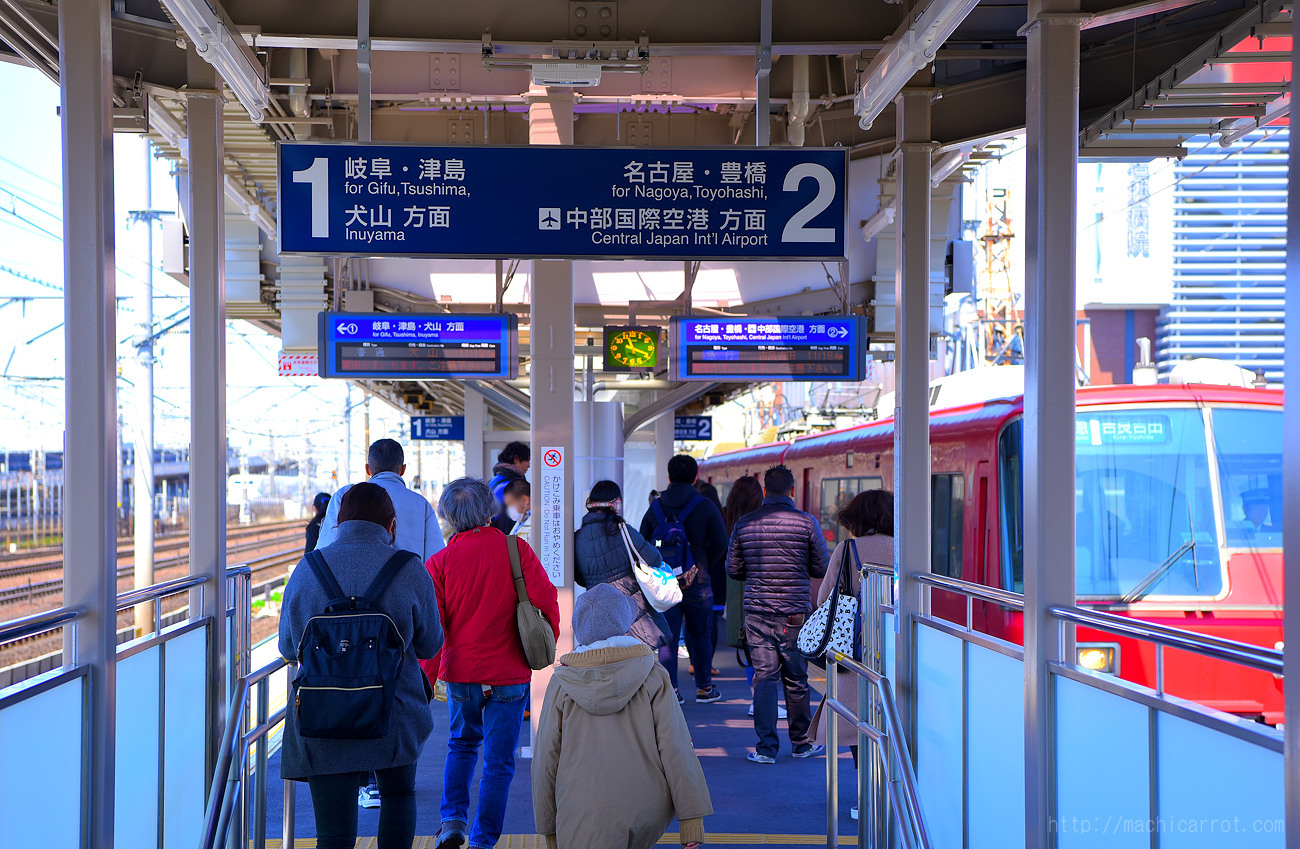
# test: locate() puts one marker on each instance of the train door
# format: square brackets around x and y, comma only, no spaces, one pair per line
[981,571]
[806,497]
[947,529]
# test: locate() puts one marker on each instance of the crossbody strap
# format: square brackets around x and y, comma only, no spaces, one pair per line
[846,581]
[323,574]
[627,544]
[387,574]
[517,569]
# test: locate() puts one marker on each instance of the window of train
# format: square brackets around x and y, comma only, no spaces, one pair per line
[836,494]
[1249,448]
[1144,515]
[724,489]
[947,509]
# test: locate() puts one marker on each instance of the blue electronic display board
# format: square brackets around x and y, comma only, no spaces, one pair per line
[438,427]
[419,346]
[743,203]
[769,348]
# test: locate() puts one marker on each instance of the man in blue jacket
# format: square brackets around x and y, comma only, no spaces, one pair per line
[706,537]
[775,550]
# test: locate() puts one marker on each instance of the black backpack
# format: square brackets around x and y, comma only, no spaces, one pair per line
[669,536]
[349,659]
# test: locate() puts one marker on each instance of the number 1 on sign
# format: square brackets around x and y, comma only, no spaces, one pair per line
[318,177]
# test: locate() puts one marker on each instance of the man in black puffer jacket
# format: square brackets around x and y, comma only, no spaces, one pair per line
[775,550]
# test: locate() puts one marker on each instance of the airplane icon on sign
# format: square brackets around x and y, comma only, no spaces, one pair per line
[548,218]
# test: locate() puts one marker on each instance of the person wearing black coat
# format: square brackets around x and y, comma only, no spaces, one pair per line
[706,534]
[775,550]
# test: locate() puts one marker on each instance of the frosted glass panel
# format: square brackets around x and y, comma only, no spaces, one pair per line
[40,769]
[995,705]
[939,735]
[1101,801]
[185,731]
[889,646]
[1215,789]
[136,787]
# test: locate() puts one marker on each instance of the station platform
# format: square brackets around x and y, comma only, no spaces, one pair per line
[754,805]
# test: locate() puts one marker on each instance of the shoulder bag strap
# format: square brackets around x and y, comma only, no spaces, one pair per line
[632,554]
[833,606]
[517,569]
[323,574]
[387,573]
[846,583]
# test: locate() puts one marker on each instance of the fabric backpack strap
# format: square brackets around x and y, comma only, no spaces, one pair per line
[690,505]
[387,574]
[323,574]
[660,516]
[517,569]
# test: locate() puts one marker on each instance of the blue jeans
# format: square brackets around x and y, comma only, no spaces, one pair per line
[696,613]
[491,716]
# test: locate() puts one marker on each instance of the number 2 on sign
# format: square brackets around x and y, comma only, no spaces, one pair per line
[796,229]
[318,177]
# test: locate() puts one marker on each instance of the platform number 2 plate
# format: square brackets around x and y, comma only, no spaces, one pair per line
[797,229]
[318,177]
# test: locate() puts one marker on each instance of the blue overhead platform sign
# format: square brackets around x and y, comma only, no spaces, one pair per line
[736,203]
[438,427]
[419,346]
[769,348]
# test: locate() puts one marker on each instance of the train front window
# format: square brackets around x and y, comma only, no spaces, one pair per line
[1248,443]
[1145,519]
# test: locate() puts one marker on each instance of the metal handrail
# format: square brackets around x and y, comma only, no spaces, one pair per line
[1004,598]
[229,776]
[896,742]
[159,591]
[1219,648]
[39,623]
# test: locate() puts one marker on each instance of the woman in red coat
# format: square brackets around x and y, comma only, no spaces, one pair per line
[482,660]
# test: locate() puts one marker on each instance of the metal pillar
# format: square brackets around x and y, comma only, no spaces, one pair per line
[1291,493]
[363,70]
[763,77]
[208,377]
[143,483]
[550,121]
[90,393]
[665,428]
[1052,142]
[912,432]
[475,427]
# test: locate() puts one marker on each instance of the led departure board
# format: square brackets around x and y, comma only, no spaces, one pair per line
[769,348]
[437,346]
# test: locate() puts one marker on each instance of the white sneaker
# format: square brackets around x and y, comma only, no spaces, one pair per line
[780,711]
[368,797]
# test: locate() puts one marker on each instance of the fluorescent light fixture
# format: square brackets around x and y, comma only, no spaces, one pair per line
[878,223]
[945,165]
[165,124]
[213,35]
[1276,110]
[566,74]
[912,48]
[257,213]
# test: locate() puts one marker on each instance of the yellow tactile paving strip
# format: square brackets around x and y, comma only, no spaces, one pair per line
[534,841]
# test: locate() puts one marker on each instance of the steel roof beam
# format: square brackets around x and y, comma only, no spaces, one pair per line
[1193,112]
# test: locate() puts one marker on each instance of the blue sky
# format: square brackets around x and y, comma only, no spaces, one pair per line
[298,416]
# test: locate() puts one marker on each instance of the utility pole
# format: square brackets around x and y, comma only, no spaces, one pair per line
[143,479]
[347,437]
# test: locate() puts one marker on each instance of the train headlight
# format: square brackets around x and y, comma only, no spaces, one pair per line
[1098,657]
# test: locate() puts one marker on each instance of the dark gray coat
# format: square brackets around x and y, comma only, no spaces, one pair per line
[355,557]
[775,550]
[601,558]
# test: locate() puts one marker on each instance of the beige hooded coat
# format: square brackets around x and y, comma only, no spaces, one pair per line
[614,763]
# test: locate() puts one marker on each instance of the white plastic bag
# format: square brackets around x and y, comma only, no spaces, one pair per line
[660,588]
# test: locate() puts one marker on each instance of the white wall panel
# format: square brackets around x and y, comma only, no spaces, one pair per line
[995,717]
[136,785]
[939,746]
[1101,801]
[40,769]
[185,736]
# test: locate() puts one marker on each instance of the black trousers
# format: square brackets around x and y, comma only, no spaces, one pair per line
[776,658]
[334,800]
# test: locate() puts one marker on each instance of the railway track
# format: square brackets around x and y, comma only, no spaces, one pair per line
[51,559]
[33,590]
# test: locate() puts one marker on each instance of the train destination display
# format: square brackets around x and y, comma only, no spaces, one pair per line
[769,348]
[432,346]
[742,203]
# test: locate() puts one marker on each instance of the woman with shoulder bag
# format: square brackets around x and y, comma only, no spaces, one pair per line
[869,517]
[334,766]
[601,556]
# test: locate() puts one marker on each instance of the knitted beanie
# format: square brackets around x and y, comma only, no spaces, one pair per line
[600,613]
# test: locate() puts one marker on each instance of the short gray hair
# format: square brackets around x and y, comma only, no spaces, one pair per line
[467,503]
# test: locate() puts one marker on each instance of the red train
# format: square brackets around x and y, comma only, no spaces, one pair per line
[1179,511]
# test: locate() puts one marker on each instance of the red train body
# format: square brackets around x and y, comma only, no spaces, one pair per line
[1178,520]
